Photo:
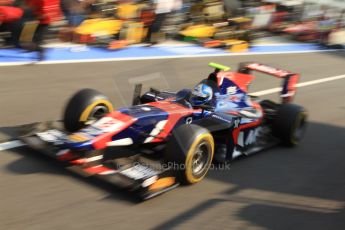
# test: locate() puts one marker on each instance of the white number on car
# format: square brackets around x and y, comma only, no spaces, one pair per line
[139,171]
[52,136]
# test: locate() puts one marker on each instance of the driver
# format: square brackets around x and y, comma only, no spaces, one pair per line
[201,95]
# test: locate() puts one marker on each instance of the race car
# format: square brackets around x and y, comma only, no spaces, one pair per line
[169,138]
[234,35]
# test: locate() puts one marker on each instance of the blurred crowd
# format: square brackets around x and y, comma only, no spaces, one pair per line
[115,24]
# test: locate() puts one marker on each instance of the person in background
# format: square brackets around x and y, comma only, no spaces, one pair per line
[10,17]
[75,11]
[232,7]
[46,12]
[161,8]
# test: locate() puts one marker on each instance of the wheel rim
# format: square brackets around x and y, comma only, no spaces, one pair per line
[200,159]
[96,113]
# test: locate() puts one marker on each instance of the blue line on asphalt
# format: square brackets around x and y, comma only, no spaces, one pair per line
[75,53]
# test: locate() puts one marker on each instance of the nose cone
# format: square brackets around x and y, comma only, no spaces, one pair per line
[78,137]
[107,127]
[78,141]
[97,135]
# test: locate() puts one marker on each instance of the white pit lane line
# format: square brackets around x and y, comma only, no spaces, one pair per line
[17,143]
[299,85]
[11,145]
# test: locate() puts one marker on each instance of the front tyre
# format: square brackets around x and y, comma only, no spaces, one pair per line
[191,150]
[290,124]
[85,107]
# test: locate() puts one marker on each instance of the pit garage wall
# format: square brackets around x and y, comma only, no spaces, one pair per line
[331,3]
[232,6]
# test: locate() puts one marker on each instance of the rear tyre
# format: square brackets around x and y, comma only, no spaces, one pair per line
[85,107]
[290,124]
[191,150]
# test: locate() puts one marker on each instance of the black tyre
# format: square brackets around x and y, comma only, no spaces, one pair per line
[290,124]
[242,68]
[191,150]
[85,107]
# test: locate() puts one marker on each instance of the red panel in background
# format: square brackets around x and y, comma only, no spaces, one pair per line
[10,14]
[47,11]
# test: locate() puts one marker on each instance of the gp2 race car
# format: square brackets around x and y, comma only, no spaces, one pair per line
[233,35]
[168,138]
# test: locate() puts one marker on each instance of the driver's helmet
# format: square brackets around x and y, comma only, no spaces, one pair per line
[201,94]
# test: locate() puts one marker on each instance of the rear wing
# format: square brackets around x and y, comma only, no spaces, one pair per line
[289,79]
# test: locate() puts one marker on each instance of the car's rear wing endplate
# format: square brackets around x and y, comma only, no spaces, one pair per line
[289,79]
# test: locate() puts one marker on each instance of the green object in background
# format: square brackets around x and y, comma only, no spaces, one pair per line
[219,66]
[188,38]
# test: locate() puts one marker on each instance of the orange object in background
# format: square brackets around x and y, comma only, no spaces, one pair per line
[135,32]
[118,44]
[127,11]
[234,45]
[84,38]
[213,43]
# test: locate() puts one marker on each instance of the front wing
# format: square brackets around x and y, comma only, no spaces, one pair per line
[139,174]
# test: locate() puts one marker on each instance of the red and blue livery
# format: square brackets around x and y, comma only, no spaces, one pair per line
[168,138]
